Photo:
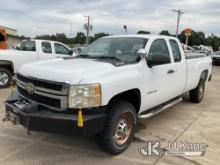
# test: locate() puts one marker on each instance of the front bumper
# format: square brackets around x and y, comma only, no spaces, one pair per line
[34,117]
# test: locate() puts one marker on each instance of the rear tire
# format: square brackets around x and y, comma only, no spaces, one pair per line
[5,78]
[196,95]
[119,128]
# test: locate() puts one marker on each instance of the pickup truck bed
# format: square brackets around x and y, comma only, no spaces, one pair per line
[195,55]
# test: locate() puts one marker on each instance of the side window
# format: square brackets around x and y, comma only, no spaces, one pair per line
[176,51]
[28,46]
[46,47]
[60,49]
[159,47]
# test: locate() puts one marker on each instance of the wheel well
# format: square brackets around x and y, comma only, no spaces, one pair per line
[7,65]
[204,75]
[133,96]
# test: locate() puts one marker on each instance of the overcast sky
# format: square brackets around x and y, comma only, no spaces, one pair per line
[35,17]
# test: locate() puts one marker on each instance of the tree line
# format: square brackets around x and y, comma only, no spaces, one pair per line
[197,38]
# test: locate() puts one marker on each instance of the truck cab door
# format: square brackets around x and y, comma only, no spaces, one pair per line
[62,51]
[159,80]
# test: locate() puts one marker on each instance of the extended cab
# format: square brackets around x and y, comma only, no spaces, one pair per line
[105,89]
[30,51]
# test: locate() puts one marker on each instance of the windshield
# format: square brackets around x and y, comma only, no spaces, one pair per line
[123,48]
[28,46]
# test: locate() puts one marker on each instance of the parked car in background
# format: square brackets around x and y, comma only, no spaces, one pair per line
[216,57]
[107,87]
[29,51]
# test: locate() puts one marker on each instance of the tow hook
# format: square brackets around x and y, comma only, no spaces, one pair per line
[80,118]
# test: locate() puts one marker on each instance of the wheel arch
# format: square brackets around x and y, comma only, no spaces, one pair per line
[133,96]
[204,75]
[8,65]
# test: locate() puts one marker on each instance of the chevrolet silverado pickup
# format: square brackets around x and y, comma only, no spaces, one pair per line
[30,51]
[106,88]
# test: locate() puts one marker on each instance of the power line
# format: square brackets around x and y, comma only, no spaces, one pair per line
[179,13]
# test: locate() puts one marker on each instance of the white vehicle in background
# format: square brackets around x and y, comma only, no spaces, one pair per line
[30,51]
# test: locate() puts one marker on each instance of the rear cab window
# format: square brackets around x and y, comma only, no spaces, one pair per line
[28,46]
[175,50]
[46,47]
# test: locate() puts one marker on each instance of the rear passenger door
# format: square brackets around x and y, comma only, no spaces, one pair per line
[179,67]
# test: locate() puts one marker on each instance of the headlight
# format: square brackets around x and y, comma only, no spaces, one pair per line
[84,96]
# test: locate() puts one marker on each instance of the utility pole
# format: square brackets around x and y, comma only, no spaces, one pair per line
[88,27]
[179,13]
[70,30]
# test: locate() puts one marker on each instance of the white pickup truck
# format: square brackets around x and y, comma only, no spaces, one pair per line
[105,89]
[30,51]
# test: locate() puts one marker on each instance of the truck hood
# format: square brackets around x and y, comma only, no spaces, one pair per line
[70,71]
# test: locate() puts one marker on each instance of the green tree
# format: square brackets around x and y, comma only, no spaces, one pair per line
[80,38]
[196,38]
[213,41]
[165,33]
[99,35]
[143,32]
[61,37]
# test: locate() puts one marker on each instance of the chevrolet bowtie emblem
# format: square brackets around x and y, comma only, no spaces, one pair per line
[30,88]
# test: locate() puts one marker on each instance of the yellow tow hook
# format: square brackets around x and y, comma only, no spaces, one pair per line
[80,118]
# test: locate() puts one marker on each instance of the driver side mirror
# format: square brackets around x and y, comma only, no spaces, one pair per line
[142,53]
[70,52]
[158,60]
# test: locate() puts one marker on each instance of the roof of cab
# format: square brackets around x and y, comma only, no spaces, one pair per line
[40,40]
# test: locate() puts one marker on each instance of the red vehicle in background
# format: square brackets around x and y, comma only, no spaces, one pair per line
[2,39]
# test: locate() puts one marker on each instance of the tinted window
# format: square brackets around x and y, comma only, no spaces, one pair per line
[159,47]
[46,47]
[28,46]
[60,49]
[175,50]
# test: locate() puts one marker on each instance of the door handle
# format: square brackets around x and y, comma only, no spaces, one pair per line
[170,71]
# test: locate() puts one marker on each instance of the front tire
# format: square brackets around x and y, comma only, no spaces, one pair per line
[119,128]
[5,78]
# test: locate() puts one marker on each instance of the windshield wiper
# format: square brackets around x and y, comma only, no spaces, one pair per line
[108,57]
[84,55]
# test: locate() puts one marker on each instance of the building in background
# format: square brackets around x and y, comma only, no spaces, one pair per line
[2,39]
[12,38]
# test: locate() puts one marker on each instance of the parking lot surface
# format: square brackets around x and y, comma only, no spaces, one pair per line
[194,123]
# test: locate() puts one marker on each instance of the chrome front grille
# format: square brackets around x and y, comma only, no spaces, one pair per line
[42,92]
